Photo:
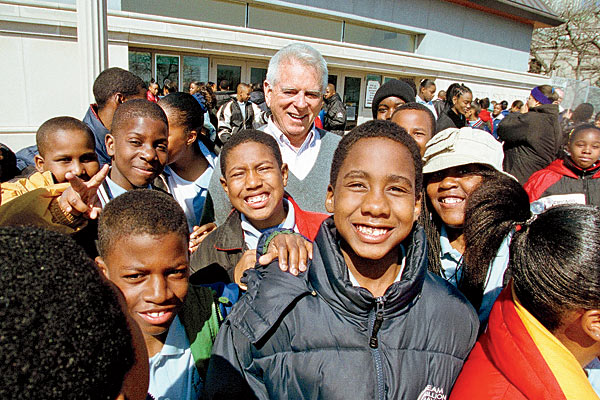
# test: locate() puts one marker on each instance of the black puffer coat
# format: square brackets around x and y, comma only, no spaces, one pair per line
[318,337]
[531,140]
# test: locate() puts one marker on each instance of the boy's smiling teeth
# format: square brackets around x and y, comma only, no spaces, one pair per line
[256,199]
[156,314]
[367,230]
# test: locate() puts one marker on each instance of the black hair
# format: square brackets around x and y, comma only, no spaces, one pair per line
[116,80]
[8,163]
[485,103]
[245,136]
[476,108]
[554,261]
[425,83]
[504,104]
[450,94]
[418,107]
[139,108]
[458,91]
[186,110]
[581,128]
[44,134]
[491,213]
[224,84]
[63,331]
[583,113]
[597,118]
[517,104]
[377,129]
[139,212]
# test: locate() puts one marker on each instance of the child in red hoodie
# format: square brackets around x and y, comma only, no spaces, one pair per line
[576,174]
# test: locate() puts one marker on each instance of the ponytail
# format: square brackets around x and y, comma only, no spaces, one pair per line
[494,209]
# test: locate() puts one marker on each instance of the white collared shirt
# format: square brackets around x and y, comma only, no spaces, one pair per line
[251,234]
[428,104]
[191,196]
[173,373]
[299,160]
[355,283]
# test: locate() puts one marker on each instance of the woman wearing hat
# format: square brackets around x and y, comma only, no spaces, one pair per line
[456,162]
[531,140]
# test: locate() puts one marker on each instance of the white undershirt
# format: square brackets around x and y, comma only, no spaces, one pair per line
[299,160]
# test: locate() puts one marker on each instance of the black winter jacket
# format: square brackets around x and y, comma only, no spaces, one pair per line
[335,115]
[449,119]
[531,140]
[318,337]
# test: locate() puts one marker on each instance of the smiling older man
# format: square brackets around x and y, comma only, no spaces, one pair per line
[294,88]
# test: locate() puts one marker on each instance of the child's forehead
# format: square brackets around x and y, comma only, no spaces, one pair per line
[584,132]
[382,153]
[132,242]
[250,150]
[68,137]
[142,126]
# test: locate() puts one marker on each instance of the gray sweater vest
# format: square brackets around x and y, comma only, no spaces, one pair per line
[309,193]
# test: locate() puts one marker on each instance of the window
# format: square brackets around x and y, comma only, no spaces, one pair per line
[194,69]
[369,36]
[167,67]
[140,64]
[293,23]
[220,12]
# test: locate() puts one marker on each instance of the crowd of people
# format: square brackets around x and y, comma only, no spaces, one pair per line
[241,244]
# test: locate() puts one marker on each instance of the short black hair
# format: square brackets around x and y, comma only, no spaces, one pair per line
[249,135]
[425,83]
[8,163]
[116,80]
[138,108]
[504,104]
[139,212]
[418,107]
[63,331]
[581,128]
[377,129]
[45,132]
[186,110]
[224,84]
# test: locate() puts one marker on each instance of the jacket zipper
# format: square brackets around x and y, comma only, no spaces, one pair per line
[375,321]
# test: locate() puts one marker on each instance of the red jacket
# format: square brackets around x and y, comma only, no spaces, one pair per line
[505,363]
[563,177]
[151,97]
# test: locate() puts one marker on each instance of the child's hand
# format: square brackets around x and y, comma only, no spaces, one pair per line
[247,261]
[199,234]
[292,250]
[81,197]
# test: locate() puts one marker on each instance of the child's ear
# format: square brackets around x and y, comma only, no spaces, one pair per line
[109,141]
[39,163]
[418,200]
[224,184]
[191,138]
[102,267]
[284,173]
[590,321]
[329,201]
[119,98]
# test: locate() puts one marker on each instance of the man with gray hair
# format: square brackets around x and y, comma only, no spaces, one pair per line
[294,87]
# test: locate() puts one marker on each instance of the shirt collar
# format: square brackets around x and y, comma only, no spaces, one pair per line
[310,140]
[355,283]
[176,341]
[421,101]
[446,247]
[288,223]
[115,189]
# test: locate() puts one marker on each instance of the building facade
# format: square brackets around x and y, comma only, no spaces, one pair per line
[482,43]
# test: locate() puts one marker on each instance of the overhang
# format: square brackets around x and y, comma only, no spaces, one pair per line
[535,12]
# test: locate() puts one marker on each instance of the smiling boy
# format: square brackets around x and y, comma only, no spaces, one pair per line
[381,326]
[254,178]
[137,145]
[143,246]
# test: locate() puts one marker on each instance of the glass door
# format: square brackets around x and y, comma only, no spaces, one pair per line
[167,70]
[351,100]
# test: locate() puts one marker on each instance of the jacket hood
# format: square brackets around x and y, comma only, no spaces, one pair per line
[329,275]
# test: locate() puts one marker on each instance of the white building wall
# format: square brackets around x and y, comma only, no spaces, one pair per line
[41,78]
